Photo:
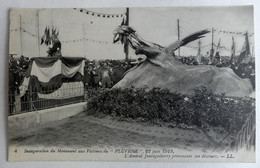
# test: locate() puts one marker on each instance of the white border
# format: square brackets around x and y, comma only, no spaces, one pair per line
[4,22]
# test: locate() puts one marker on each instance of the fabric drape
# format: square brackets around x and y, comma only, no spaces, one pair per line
[47,74]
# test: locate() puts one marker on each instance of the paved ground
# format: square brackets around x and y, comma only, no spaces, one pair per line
[90,131]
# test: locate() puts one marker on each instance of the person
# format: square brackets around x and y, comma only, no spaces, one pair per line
[96,73]
[117,73]
[86,76]
[105,74]
[89,76]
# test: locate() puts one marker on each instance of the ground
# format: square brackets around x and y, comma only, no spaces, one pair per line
[84,130]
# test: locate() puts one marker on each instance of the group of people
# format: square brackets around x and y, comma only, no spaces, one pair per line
[244,69]
[105,73]
[17,70]
[217,61]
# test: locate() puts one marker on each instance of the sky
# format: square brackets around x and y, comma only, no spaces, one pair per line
[85,35]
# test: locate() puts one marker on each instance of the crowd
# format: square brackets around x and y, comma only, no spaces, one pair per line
[105,73]
[219,61]
[17,70]
[244,69]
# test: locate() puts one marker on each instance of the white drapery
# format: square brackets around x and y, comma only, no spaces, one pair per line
[44,74]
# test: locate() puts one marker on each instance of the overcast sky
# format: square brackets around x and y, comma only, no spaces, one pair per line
[157,25]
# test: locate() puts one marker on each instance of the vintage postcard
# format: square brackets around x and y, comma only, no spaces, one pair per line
[132,84]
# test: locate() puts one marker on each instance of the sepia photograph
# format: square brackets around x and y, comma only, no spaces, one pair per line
[132,84]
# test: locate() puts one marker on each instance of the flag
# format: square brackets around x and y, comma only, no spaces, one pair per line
[123,22]
[199,53]
[48,38]
[57,33]
[43,39]
[218,47]
[53,31]
[217,58]
[245,50]
[233,51]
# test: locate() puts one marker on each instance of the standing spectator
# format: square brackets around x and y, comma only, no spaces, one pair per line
[105,74]
[96,74]
[117,73]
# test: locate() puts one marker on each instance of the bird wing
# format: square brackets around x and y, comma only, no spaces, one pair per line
[177,44]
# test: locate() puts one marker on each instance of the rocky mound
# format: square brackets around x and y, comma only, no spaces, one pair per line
[178,77]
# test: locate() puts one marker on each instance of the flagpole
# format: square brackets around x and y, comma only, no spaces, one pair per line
[178,27]
[21,35]
[199,52]
[38,33]
[212,48]
[248,43]
[126,43]
[51,18]
[84,54]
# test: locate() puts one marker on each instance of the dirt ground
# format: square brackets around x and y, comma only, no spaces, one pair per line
[89,131]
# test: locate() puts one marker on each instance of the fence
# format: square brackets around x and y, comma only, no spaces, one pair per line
[49,97]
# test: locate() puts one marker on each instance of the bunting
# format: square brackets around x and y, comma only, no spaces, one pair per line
[102,15]
[197,47]
[23,30]
[47,72]
[232,32]
[87,40]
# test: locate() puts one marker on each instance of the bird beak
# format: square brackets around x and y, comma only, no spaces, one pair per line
[116,38]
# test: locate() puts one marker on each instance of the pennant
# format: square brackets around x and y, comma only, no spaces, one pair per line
[232,51]
[57,34]
[43,39]
[218,47]
[245,50]
[123,22]
[53,31]
[47,34]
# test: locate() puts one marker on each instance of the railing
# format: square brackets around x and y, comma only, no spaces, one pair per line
[28,99]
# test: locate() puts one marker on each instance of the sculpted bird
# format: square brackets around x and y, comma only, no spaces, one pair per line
[151,50]
[161,69]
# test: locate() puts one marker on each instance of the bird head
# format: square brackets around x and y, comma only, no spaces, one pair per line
[121,32]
